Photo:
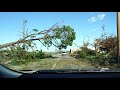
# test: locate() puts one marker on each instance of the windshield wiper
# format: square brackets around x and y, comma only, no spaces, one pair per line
[27,71]
[58,71]
[66,71]
[102,70]
[78,70]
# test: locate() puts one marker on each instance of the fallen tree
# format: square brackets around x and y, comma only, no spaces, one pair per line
[59,36]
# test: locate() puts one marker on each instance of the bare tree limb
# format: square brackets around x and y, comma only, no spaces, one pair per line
[25,39]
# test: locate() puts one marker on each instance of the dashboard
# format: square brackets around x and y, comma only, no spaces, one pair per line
[8,73]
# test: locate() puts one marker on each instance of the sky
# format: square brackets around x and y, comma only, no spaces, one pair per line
[87,25]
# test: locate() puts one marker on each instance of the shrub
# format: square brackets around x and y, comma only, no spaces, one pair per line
[112,57]
[80,54]
[91,52]
[104,59]
[85,52]
[90,58]
[48,55]
[30,55]
[100,59]
[19,62]
[40,55]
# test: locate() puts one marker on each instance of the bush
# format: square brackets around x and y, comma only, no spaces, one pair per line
[90,58]
[85,52]
[16,62]
[19,62]
[102,59]
[30,55]
[91,52]
[40,55]
[48,55]
[112,57]
[35,55]
[80,54]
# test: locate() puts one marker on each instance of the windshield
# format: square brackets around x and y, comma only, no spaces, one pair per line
[58,40]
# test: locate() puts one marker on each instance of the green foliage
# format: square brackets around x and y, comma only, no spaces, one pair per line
[101,59]
[91,52]
[48,55]
[14,53]
[80,54]
[36,55]
[107,43]
[17,62]
[30,56]
[22,62]
[90,58]
[61,37]
[3,54]
[112,57]
[84,52]
[20,54]
[40,55]
[104,59]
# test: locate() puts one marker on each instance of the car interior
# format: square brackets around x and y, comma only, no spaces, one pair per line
[6,72]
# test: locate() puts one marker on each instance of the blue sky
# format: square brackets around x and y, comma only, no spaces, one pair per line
[87,25]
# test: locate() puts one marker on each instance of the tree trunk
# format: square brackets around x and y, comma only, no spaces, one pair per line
[17,42]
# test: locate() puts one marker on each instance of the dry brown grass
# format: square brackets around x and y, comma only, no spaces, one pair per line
[48,64]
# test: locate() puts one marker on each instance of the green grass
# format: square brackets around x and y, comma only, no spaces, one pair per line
[48,64]
[36,64]
[66,64]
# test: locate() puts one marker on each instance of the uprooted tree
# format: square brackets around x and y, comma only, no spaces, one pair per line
[59,36]
[106,43]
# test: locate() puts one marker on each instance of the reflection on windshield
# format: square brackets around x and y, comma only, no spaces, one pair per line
[58,40]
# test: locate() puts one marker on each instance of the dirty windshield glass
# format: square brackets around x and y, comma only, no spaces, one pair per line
[58,40]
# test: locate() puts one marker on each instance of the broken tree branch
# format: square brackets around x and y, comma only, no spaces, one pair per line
[25,39]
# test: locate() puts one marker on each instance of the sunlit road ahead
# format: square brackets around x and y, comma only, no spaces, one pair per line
[56,62]
[60,57]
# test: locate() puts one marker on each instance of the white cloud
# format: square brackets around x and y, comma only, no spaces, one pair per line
[101,16]
[92,19]
[98,17]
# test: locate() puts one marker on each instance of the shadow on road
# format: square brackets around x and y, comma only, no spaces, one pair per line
[54,57]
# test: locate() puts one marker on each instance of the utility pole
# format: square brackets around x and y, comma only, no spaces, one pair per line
[118,34]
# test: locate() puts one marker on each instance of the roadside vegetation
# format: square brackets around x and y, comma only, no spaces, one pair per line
[17,56]
[104,53]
